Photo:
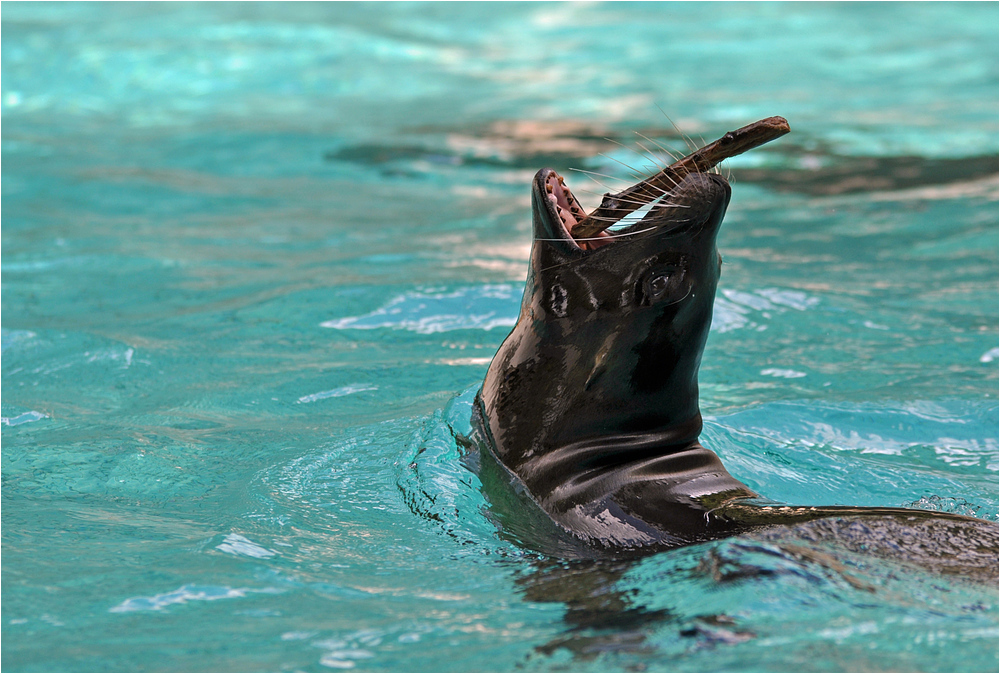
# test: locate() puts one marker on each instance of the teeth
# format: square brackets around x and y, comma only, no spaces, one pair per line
[571,214]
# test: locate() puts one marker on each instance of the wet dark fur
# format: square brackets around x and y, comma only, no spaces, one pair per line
[590,405]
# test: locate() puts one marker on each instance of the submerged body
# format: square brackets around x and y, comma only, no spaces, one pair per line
[591,403]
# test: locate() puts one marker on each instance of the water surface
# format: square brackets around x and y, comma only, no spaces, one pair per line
[256,259]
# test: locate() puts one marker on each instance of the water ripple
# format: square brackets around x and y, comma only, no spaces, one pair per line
[428,311]
[23,418]
[738,309]
[181,595]
[337,392]
[235,544]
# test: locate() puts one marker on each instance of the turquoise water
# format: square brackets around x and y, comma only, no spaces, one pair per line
[256,259]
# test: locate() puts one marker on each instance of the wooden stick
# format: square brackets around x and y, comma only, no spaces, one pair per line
[614,207]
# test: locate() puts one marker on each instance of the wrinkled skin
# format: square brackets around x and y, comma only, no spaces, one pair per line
[591,403]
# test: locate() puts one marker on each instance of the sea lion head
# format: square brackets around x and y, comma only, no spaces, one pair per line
[611,330]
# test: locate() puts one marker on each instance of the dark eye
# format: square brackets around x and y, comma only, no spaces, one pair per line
[658,285]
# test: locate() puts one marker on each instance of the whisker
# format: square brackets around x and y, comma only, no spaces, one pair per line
[659,164]
[654,167]
[603,218]
[626,200]
[605,238]
[674,182]
[669,153]
[630,217]
[687,140]
[603,175]
[630,238]
[638,174]
[591,192]
[609,189]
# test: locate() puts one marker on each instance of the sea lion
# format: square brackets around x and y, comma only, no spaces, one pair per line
[591,402]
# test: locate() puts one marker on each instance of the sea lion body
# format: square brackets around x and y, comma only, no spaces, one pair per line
[591,403]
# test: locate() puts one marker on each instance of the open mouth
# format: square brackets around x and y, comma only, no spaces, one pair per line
[589,230]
